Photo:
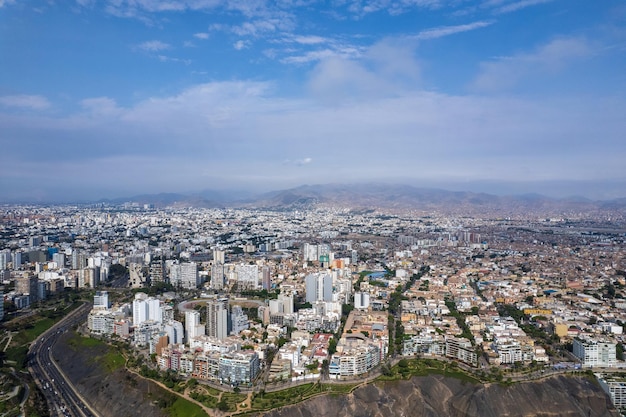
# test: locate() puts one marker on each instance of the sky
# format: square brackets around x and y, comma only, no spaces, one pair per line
[113,98]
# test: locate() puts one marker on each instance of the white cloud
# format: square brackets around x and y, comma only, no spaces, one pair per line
[101,106]
[298,162]
[385,69]
[162,6]
[361,8]
[25,101]
[201,35]
[451,30]
[242,131]
[239,45]
[255,28]
[506,72]
[309,40]
[165,58]
[6,2]
[310,56]
[153,46]
[518,5]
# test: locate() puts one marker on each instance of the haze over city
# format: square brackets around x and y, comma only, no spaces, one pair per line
[113,98]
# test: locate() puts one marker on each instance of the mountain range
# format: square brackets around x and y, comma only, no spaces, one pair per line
[379,196]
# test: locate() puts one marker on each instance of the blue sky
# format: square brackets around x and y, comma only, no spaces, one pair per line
[122,97]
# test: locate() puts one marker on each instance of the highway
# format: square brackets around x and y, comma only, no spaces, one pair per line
[62,397]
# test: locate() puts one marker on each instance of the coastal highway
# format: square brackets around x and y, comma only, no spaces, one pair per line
[62,397]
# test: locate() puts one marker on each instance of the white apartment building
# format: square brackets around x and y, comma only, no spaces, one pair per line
[146,308]
[247,276]
[185,275]
[598,353]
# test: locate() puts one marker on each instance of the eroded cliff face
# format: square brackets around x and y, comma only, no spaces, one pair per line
[436,396]
[120,394]
[116,393]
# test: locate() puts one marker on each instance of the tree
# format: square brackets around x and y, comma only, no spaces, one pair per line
[332,346]
[222,405]
[117,270]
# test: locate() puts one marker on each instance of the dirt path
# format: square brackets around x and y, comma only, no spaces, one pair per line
[210,411]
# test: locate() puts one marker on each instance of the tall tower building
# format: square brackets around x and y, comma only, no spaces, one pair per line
[193,327]
[79,259]
[59,259]
[174,330]
[217,276]
[247,276]
[219,256]
[5,259]
[27,284]
[185,275]
[17,260]
[319,287]
[157,271]
[267,278]
[146,308]
[217,322]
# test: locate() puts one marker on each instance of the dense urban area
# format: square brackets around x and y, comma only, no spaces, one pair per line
[250,301]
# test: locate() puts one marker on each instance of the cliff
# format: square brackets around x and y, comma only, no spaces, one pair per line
[114,392]
[436,396]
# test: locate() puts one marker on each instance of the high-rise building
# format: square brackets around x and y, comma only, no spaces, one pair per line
[27,284]
[185,275]
[17,260]
[595,352]
[79,259]
[89,277]
[193,327]
[266,278]
[239,319]
[157,271]
[319,287]
[101,300]
[1,305]
[5,259]
[146,309]
[239,367]
[59,259]
[217,323]
[361,300]
[217,276]
[218,256]
[174,330]
[247,276]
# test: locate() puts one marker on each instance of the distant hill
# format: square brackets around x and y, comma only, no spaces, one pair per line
[382,196]
[402,197]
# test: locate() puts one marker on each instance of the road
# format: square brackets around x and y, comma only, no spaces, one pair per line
[62,397]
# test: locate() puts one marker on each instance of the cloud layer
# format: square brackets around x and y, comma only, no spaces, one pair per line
[129,96]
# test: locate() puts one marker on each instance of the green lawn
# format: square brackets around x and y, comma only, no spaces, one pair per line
[113,361]
[79,341]
[294,395]
[184,408]
[17,354]
[233,399]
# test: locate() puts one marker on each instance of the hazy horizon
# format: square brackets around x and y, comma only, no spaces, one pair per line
[116,98]
[555,190]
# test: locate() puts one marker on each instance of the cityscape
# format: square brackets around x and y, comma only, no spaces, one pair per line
[347,208]
[251,301]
